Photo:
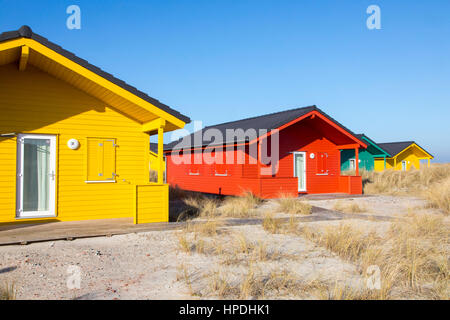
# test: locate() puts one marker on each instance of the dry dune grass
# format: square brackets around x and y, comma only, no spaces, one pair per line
[231,207]
[240,252]
[438,195]
[412,256]
[206,207]
[153,176]
[431,183]
[259,284]
[240,207]
[271,224]
[292,205]
[349,207]
[8,292]
[191,238]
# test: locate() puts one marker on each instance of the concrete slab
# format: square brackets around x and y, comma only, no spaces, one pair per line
[332,196]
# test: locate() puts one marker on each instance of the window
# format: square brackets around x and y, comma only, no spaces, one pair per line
[220,166]
[101,160]
[194,168]
[322,163]
[221,169]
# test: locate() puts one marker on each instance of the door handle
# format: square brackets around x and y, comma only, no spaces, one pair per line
[52,175]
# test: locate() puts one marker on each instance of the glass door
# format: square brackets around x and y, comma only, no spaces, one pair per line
[300,170]
[36,176]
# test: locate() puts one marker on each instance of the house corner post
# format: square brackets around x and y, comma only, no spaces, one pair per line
[258,158]
[356,162]
[160,153]
[135,207]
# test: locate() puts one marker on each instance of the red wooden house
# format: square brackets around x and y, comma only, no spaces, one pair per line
[308,141]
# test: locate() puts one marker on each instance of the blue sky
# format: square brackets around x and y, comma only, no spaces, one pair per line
[219,61]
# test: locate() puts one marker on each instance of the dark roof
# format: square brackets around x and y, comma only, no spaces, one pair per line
[154,147]
[26,32]
[362,136]
[268,122]
[394,148]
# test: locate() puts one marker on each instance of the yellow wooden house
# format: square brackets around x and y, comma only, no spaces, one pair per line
[74,140]
[404,156]
[154,157]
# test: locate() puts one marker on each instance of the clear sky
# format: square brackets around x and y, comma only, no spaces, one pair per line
[219,61]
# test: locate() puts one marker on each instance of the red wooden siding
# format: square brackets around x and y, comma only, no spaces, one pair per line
[312,136]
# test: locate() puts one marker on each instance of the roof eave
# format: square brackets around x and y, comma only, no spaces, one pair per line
[25,37]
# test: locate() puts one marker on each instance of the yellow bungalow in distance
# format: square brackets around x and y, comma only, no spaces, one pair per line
[74,140]
[403,156]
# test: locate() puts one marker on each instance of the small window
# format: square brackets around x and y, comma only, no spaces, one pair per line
[101,159]
[194,168]
[221,169]
[322,163]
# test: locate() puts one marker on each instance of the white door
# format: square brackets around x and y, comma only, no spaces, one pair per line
[36,176]
[300,170]
[404,166]
[352,164]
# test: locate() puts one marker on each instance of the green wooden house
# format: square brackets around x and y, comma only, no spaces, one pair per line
[366,156]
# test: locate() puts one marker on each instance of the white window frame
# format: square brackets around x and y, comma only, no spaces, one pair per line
[405,164]
[304,169]
[51,212]
[221,174]
[354,164]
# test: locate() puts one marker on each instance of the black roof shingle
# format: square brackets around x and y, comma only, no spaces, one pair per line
[268,122]
[360,136]
[394,148]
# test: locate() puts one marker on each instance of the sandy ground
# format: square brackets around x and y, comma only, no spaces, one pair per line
[148,265]
[381,205]
[153,265]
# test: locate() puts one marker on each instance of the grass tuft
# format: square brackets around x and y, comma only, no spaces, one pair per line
[431,183]
[240,207]
[292,205]
[272,224]
[8,292]
[349,207]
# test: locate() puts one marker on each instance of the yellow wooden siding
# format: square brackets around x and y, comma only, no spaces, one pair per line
[379,165]
[154,161]
[35,102]
[411,160]
[152,204]
[412,155]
